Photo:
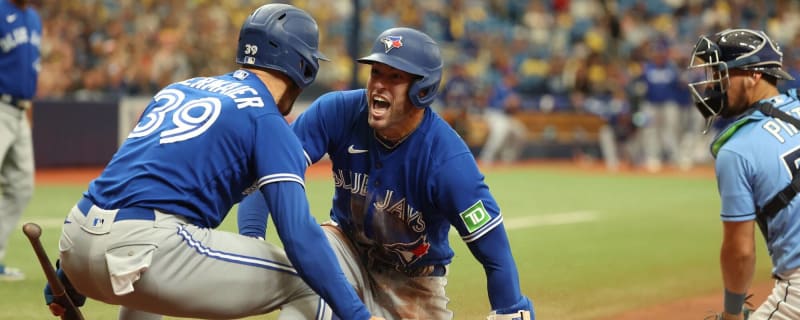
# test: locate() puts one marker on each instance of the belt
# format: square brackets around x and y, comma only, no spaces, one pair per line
[131,213]
[16,102]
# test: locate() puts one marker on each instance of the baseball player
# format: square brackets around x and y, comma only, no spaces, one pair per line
[756,164]
[20,40]
[402,177]
[142,236]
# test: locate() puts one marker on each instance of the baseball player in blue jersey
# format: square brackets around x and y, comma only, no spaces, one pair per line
[756,164]
[142,236]
[402,177]
[20,40]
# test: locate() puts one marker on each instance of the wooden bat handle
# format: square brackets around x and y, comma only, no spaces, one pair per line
[34,232]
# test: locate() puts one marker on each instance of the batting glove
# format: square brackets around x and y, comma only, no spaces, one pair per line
[77,298]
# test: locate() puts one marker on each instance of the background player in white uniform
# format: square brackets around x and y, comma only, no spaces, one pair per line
[20,38]
[756,158]
[143,235]
[402,178]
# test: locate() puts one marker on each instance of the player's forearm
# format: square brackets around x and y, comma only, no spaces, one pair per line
[252,215]
[738,266]
[738,255]
[502,278]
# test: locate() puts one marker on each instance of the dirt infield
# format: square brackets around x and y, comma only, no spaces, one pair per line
[686,308]
[690,307]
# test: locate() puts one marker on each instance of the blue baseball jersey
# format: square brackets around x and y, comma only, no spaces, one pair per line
[229,121]
[399,203]
[756,157]
[20,40]
[200,146]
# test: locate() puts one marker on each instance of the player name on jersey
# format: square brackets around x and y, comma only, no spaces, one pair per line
[244,95]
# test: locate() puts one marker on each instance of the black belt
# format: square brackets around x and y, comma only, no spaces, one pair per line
[17,102]
[132,213]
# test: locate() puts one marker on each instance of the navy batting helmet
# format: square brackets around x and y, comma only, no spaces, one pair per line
[283,38]
[414,52]
[742,49]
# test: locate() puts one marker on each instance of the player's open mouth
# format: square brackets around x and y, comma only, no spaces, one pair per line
[379,106]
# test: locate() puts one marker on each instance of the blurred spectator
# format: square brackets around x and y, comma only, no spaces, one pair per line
[662,84]
[506,134]
[554,47]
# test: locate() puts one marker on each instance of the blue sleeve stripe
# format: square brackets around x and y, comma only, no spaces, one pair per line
[482,231]
[232,257]
[280,177]
[737,215]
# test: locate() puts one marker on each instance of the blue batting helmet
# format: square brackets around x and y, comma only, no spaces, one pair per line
[284,38]
[414,52]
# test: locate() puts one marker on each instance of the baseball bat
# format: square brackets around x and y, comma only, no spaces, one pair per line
[60,296]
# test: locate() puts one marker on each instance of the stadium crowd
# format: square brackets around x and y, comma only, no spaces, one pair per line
[622,59]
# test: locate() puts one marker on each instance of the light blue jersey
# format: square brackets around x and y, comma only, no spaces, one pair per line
[756,157]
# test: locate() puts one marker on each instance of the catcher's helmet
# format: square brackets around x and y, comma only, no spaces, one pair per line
[283,38]
[414,52]
[742,49]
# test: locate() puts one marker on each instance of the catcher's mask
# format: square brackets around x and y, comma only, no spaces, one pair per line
[742,49]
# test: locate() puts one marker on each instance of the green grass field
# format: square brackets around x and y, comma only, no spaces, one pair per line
[587,245]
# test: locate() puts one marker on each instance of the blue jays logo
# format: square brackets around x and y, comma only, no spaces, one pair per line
[391,42]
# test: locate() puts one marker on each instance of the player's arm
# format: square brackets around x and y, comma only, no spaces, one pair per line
[251,216]
[737,261]
[463,191]
[502,278]
[308,248]
[737,253]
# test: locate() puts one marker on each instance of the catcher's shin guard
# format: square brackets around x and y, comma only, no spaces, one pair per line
[519,315]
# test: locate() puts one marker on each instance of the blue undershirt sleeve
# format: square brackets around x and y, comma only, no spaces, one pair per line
[252,215]
[502,281]
[308,249]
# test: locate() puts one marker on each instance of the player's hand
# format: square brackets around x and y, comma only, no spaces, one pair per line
[376,318]
[77,298]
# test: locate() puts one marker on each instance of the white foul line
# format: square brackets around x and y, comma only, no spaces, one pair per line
[553,219]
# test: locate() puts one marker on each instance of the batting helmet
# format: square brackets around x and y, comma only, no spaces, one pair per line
[414,52]
[742,49]
[284,38]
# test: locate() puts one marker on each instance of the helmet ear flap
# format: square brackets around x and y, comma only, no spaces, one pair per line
[423,91]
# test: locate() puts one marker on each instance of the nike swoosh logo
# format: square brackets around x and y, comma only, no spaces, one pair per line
[353,150]
[11,18]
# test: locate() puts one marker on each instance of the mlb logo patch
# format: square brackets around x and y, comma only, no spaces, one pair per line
[392,42]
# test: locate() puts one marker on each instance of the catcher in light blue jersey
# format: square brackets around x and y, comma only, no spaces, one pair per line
[756,165]
[402,178]
[143,235]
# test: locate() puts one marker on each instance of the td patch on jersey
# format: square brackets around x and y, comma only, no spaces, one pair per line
[475,216]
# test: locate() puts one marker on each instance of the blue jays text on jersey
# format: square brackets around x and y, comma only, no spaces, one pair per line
[398,202]
[20,41]
[757,156]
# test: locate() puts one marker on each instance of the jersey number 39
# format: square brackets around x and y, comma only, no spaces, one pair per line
[187,119]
